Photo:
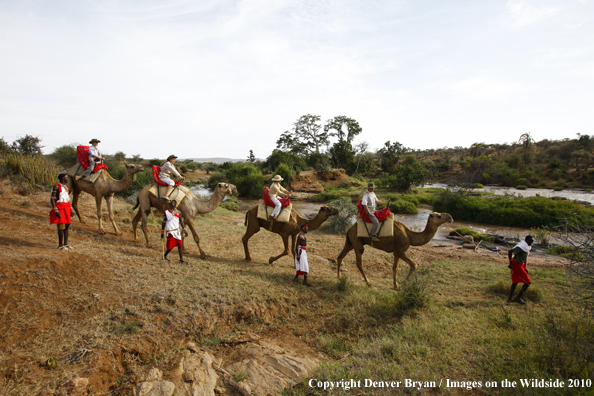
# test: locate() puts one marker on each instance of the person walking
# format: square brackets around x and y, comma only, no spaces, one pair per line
[61,210]
[369,202]
[519,272]
[167,168]
[171,222]
[301,263]
[275,190]
[94,158]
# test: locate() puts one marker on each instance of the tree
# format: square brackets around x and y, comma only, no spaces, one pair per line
[476,149]
[65,155]
[405,176]
[27,145]
[251,158]
[119,156]
[363,160]
[526,141]
[342,153]
[585,142]
[4,147]
[293,161]
[305,137]
[390,155]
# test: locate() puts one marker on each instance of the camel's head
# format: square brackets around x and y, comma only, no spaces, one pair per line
[438,219]
[133,168]
[227,188]
[328,211]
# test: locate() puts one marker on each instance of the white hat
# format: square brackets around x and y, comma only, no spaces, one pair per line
[277,178]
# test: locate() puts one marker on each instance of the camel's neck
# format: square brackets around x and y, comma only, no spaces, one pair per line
[122,185]
[313,223]
[210,205]
[423,237]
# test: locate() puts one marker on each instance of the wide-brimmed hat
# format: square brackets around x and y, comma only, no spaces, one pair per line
[94,141]
[171,157]
[371,185]
[277,178]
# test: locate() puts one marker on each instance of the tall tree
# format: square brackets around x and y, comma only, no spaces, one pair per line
[390,155]
[342,153]
[27,145]
[307,136]
[251,158]
[526,141]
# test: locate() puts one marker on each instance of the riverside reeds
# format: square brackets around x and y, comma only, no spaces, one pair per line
[34,169]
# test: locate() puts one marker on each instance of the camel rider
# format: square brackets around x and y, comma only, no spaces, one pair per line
[369,202]
[517,265]
[301,263]
[167,168]
[94,158]
[275,190]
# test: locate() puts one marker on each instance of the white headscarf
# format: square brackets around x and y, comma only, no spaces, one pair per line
[524,246]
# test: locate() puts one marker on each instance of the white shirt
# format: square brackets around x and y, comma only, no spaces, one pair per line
[94,151]
[167,169]
[172,225]
[369,199]
[63,195]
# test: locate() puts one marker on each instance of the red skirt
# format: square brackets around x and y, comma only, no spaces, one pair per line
[519,274]
[64,209]
[172,242]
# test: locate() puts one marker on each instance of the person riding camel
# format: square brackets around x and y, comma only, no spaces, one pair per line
[275,190]
[94,158]
[167,168]
[369,202]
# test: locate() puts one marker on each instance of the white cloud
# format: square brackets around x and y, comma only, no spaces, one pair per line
[519,13]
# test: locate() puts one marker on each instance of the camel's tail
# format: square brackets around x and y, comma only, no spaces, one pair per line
[245,223]
[137,203]
[348,246]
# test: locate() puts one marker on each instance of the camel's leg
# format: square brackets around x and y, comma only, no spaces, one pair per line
[75,197]
[144,215]
[135,224]
[294,244]
[411,264]
[359,256]
[190,223]
[98,202]
[285,252]
[348,246]
[395,271]
[109,201]
[251,230]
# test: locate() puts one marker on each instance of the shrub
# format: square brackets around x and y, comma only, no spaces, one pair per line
[284,171]
[65,156]
[248,178]
[35,169]
[400,206]
[183,169]
[340,224]
[521,187]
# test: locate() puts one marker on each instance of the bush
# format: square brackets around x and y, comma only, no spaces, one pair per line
[248,178]
[521,187]
[400,206]
[404,177]
[183,169]
[340,224]
[284,171]
[34,169]
[65,156]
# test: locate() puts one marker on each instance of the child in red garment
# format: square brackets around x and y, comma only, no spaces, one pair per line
[171,223]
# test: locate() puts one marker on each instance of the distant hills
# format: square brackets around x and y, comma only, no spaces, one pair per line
[216,160]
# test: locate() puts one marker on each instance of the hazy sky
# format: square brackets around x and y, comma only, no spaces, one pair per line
[217,78]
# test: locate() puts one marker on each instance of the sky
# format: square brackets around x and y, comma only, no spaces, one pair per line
[217,78]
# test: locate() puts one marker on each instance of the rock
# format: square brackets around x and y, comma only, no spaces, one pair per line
[194,375]
[132,198]
[469,246]
[155,388]
[321,259]
[154,375]
[468,239]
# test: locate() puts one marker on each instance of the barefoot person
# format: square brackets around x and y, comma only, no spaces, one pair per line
[167,168]
[171,223]
[517,265]
[275,190]
[94,158]
[369,203]
[60,212]
[301,264]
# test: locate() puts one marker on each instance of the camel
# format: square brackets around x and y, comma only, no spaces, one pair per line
[104,187]
[398,244]
[292,228]
[190,207]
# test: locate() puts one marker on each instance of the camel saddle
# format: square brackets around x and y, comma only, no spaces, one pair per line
[386,231]
[178,193]
[77,169]
[264,211]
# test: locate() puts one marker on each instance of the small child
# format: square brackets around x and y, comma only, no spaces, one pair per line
[171,222]
[301,264]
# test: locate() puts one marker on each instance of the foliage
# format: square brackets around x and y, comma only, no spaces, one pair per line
[307,136]
[251,158]
[389,155]
[193,166]
[183,169]
[319,162]
[248,178]
[542,234]
[34,169]
[284,171]
[508,210]
[27,145]
[65,155]
[404,177]
[4,147]
[521,187]
[119,156]
[401,206]
[278,157]
[342,153]
[340,224]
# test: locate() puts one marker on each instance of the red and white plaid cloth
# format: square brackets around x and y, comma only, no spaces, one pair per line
[156,171]
[82,152]
[284,201]
[381,215]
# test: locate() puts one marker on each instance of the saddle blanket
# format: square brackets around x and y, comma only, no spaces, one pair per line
[386,231]
[77,169]
[264,211]
[178,193]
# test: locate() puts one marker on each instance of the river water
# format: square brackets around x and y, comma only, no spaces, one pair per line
[418,221]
